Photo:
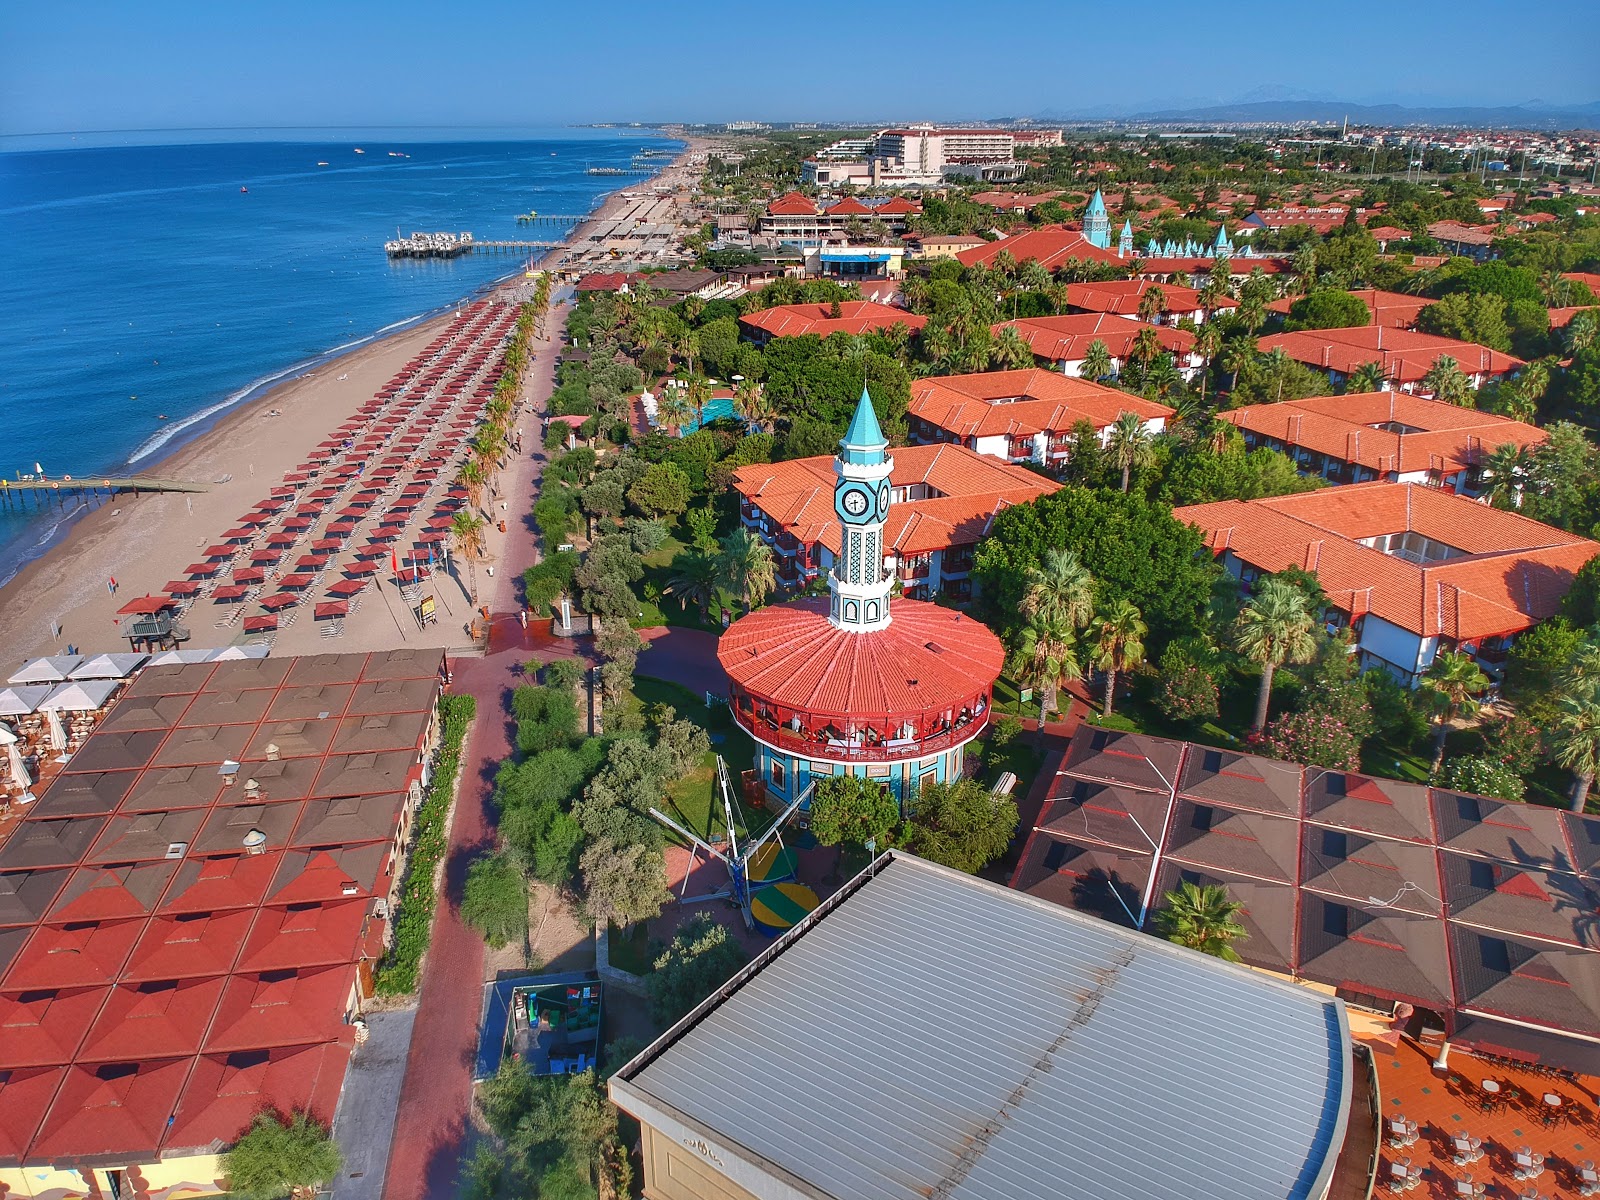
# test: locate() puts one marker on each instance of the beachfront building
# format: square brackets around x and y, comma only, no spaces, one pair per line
[190,912]
[1025,416]
[797,220]
[863,682]
[1461,922]
[843,316]
[1393,436]
[1411,570]
[1405,357]
[929,1034]
[923,156]
[1125,297]
[942,499]
[1062,343]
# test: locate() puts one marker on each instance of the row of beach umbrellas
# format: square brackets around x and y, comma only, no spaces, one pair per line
[59,668]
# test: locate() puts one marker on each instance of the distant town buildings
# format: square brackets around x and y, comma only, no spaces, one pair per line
[1412,570]
[924,156]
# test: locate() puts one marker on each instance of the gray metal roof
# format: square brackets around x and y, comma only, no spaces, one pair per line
[929,1035]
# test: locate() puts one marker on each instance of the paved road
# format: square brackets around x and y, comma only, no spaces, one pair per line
[364,1124]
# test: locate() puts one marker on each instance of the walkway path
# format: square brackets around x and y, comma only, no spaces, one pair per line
[687,657]
[436,1098]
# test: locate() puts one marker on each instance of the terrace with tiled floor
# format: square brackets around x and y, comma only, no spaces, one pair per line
[1451,1103]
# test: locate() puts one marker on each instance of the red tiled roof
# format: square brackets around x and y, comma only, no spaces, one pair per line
[928,659]
[1448,437]
[117,1108]
[1022,403]
[792,205]
[1467,235]
[898,206]
[1395,310]
[160,1018]
[1067,338]
[1513,573]
[1591,278]
[1560,318]
[227,1090]
[1122,297]
[603,281]
[280,1008]
[1388,233]
[44,1026]
[798,496]
[848,207]
[1405,356]
[855,317]
[1051,246]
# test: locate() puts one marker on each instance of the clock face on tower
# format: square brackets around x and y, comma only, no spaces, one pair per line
[883,500]
[854,503]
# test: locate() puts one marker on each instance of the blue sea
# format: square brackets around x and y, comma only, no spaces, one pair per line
[147,289]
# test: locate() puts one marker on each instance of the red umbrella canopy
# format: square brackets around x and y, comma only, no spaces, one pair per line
[230,591]
[281,539]
[180,587]
[311,562]
[327,543]
[278,600]
[262,558]
[362,568]
[145,605]
[296,581]
[260,623]
[347,587]
[249,575]
[221,551]
[332,608]
[202,570]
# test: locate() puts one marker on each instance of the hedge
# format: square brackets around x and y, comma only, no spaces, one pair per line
[397,974]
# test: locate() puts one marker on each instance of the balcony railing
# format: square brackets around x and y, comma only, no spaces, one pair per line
[805,745]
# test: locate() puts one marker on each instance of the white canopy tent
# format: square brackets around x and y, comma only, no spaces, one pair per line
[19,770]
[108,666]
[7,738]
[235,653]
[19,701]
[177,658]
[58,731]
[54,669]
[83,696]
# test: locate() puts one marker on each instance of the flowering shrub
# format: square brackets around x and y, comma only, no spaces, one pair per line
[1484,776]
[1188,687]
[1314,738]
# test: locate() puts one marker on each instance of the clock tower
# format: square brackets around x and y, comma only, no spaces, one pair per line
[858,585]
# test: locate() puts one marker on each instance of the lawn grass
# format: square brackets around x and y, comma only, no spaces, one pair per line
[1021,756]
[633,951]
[692,800]
[669,610]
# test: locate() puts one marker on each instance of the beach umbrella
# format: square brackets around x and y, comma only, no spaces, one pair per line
[19,769]
[249,575]
[239,653]
[347,587]
[325,544]
[221,551]
[180,587]
[281,538]
[85,695]
[261,623]
[203,570]
[58,732]
[109,666]
[296,582]
[264,558]
[230,592]
[331,608]
[6,736]
[179,658]
[276,601]
[145,606]
[52,669]
[20,701]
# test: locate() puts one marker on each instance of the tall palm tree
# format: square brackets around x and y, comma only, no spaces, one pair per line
[673,409]
[1275,628]
[746,567]
[1152,303]
[1146,345]
[1163,378]
[1505,473]
[1130,444]
[1045,656]
[698,394]
[1096,361]
[1453,682]
[1214,293]
[1060,589]
[1237,353]
[694,579]
[1576,739]
[685,345]
[466,535]
[1207,341]
[1582,331]
[1118,643]
[1448,382]
[1010,350]
[472,478]
[750,402]
[1368,377]
[1203,918]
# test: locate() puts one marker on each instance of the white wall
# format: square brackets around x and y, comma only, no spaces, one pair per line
[1408,651]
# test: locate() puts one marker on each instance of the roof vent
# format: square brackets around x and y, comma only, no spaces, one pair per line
[935,647]
[252,789]
[272,752]
[349,889]
[177,849]
[255,841]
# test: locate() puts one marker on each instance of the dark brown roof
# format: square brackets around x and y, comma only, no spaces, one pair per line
[1132,759]
[1241,780]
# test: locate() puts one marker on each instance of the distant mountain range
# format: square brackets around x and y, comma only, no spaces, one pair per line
[1531,115]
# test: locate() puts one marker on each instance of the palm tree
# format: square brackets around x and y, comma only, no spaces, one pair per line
[1214,293]
[1045,656]
[1152,303]
[1448,382]
[1060,589]
[1118,640]
[1275,628]
[1130,444]
[1162,378]
[1096,363]
[1452,681]
[1582,331]
[694,579]
[698,393]
[1576,739]
[746,567]
[673,409]
[1145,346]
[472,478]
[1207,341]
[1368,377]
[1505,473]
[750,402]
[684,345]
[1010,350]
[1201,917]
[466,535]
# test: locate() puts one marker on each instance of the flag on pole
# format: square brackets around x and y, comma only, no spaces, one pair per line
[394,564]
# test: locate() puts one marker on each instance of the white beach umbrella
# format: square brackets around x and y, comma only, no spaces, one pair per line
[7,738]
[19,701]
[58,733]
[239,653]
[108,666]
[19,770]
[178,658]
[83,696]
[47,670]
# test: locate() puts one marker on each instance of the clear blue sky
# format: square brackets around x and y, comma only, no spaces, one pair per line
[94,64]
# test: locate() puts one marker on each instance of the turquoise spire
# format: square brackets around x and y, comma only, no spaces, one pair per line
[1125,240]
[1097,204]
[1097,222]
[1222,247]
[864,442]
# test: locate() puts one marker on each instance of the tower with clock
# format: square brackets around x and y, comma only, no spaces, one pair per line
[859,585]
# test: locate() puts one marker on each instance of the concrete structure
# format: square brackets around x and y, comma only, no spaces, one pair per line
[925,1033]
[1412,570]
[1473,911]
[1020,416]
[891,690]
[189,914]
[1392,436]
[942,499]
[1405,357]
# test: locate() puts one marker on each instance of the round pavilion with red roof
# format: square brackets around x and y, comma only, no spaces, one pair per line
[860,683]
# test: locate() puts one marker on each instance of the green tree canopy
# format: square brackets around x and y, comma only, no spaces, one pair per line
[1327,308]
[1203,918]
[960,824]
[700,958]
[495,900]
[277,1157]
[848,808]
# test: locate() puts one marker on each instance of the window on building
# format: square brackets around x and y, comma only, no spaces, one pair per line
[778,775]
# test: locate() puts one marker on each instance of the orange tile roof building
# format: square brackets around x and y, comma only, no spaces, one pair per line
[190,911]
[1020,416]
[1063,342]
[1404,356]
[1122,298]
[798,220]
[1051,246]
[854,317]
[942,500]
[1392,436]
[1411,569]
[1396,310]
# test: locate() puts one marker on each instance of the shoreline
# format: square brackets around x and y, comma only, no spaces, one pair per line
[70,565]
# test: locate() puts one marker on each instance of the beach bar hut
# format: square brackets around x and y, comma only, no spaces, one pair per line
[108,666]
[53,669]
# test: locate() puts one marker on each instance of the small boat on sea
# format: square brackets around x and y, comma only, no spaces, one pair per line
[322,164]
[359,150]
[245,190]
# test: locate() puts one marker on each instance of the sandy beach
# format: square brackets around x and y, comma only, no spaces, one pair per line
[146,540]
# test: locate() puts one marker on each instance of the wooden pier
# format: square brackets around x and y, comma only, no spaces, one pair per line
[43,490]
[513,247]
